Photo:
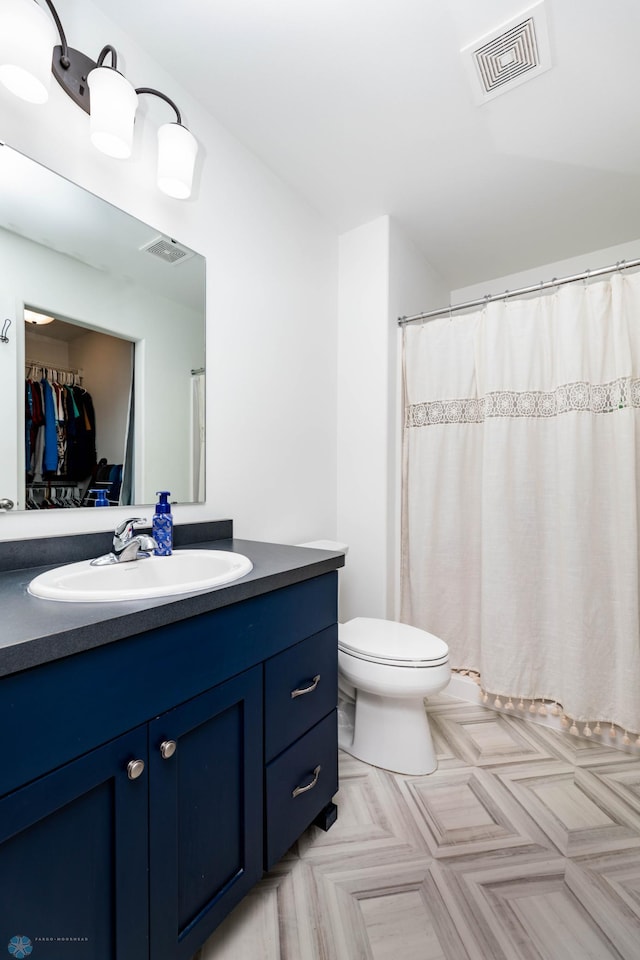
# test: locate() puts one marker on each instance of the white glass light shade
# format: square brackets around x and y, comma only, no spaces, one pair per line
[113,110]
[33,316]
[27,38]
[177,149]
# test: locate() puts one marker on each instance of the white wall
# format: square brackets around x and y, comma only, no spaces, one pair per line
[107,364]
[38,346]
[363,375]
[271,300]
[562,268]
[414,287]
[382,276]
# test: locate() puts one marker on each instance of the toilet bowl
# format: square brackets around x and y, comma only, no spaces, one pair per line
[391,667]
[388,669]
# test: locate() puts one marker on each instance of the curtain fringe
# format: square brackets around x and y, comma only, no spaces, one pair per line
[544,706]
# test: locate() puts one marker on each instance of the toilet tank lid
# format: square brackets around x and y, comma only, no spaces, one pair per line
[334,545]
[391,641]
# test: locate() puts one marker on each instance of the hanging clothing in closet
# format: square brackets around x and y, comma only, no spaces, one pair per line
[60,436]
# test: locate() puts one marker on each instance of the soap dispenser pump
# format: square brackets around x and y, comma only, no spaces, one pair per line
[162,525]
[101,498]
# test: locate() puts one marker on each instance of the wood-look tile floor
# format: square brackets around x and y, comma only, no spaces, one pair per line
[523,845]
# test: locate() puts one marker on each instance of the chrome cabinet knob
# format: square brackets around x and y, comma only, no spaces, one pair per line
[135,769]
[6,504]
[167,749]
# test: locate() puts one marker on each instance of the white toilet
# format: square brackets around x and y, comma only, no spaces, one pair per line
[388,669]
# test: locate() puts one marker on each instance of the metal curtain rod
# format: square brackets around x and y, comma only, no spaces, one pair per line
[508,294]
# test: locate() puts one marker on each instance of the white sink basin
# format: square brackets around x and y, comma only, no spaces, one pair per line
[185,571]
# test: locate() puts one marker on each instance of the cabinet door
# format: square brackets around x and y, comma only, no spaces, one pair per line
[205,762]
[73,859]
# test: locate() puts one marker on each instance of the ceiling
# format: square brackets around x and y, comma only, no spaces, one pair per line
[365,108]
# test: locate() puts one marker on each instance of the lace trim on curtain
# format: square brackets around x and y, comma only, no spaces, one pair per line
[569,397]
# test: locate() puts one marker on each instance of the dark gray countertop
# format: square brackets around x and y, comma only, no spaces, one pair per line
[35,631]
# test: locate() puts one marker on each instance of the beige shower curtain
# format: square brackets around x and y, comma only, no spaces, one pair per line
[520,495]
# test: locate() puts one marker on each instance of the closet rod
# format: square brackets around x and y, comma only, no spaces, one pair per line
[520,292]
[52,366]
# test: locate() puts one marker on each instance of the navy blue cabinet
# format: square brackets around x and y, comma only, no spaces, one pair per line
[147,783]
[74,855]
[205,811]
[300,728]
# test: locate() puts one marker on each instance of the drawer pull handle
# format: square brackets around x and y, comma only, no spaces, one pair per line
[300,692]
[309,786]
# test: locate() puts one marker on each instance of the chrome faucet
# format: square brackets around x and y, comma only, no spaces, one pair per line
[127,545]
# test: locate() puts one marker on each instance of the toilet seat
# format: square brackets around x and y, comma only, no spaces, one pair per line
[390,643]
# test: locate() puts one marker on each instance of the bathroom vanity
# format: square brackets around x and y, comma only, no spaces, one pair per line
[160,755]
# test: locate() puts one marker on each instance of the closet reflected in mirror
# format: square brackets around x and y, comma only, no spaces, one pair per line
[128,328]
[79,415]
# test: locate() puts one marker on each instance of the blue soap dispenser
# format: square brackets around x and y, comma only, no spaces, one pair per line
[162,525]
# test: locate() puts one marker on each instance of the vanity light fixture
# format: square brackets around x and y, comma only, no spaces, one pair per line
[30,54]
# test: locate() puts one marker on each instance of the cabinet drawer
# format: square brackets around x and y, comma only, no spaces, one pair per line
[301,687]
[312,763]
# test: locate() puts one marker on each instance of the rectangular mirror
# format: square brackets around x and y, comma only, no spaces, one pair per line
[109,393]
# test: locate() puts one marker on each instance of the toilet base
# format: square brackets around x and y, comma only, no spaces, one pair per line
[393,734]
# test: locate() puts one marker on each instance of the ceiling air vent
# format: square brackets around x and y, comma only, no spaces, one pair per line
[167,250]
[510,55]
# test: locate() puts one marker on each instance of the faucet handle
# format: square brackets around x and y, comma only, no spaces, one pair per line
[124,530]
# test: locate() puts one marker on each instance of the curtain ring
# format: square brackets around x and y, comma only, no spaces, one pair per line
[506,295]
[586,277]
[450,316]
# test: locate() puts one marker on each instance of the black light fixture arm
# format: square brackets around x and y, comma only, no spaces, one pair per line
[64,58]
[163,96]
[72,67]
[108,49]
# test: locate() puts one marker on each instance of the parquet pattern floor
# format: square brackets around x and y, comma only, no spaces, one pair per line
[523,845]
